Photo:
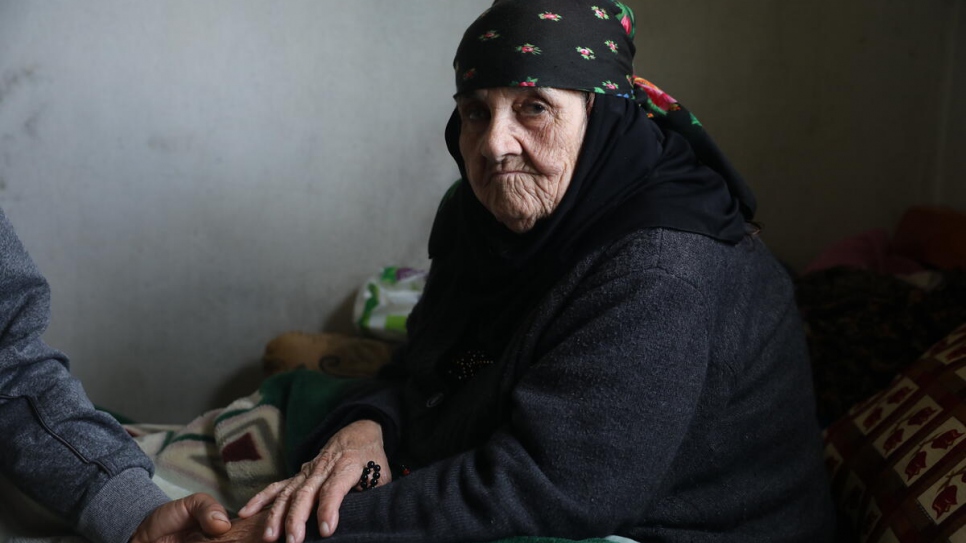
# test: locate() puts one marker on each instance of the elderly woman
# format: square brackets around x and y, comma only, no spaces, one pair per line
[604,345]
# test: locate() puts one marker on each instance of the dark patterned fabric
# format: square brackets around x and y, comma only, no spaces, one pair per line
[864,327]
[464,366]
[560,44]
[897,461]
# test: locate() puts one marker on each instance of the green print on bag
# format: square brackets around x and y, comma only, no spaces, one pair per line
[600,13]
[586,52]
[490,35]
[612,45]
[547,16]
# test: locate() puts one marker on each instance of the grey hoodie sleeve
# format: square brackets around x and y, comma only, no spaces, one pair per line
[57,448]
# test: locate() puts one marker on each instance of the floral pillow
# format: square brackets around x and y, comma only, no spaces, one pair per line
[897,461]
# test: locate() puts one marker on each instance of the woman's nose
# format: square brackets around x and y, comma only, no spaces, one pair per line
[500,139]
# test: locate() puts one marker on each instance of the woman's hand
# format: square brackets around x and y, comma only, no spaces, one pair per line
[326,479]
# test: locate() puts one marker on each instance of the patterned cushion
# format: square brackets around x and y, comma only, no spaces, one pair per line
[897,461]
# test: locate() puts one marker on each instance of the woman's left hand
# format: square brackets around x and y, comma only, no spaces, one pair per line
[326,479]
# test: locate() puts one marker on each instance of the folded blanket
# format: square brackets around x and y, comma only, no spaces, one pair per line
[234,452]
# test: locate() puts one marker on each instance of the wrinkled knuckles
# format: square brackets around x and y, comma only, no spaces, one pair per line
[289,489]
[272,489]
[294,527]
[327,457]
[315,480]
[305,493]
[275,516]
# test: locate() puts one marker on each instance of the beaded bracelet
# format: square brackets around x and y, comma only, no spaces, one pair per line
[364,482]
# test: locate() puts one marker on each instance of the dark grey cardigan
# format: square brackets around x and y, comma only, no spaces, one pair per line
[661,391]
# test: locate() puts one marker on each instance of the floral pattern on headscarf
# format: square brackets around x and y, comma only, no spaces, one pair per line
[584,45]
[568,44]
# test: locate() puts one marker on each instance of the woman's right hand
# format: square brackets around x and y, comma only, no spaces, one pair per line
[326,479]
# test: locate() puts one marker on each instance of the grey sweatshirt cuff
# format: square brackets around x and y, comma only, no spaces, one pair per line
[120,506]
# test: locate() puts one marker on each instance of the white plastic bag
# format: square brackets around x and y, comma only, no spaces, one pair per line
[383,304]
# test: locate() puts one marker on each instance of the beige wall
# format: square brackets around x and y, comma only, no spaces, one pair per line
[830,108]
[197,177]
[951,179]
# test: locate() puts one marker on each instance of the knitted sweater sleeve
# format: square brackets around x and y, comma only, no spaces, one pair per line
[596,423]
[57,448]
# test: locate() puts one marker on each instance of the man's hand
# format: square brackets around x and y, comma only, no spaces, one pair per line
[173,522]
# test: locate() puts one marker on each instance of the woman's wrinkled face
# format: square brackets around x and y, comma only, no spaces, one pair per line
[520,147]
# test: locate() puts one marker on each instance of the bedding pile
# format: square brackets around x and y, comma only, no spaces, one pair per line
[884,318]
[873,302]
[234,452]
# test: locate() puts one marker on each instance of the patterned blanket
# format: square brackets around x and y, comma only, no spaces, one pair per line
[234,452]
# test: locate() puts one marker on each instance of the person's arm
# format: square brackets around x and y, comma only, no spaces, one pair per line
[596,423]
[57,448]
[377,400]
[364,428]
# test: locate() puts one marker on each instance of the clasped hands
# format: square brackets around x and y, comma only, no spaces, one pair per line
[332,474]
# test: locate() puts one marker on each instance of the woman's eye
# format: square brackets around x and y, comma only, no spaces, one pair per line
[473,114]
[533,108]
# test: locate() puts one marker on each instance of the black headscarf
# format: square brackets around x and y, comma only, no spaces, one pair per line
[645,162]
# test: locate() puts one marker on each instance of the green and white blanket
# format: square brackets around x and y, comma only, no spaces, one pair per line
[234,452]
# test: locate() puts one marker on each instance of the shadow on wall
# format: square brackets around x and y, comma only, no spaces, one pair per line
[830,109]
[250,375]
[247,377]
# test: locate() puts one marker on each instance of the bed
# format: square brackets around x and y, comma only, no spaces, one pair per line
[885,318]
